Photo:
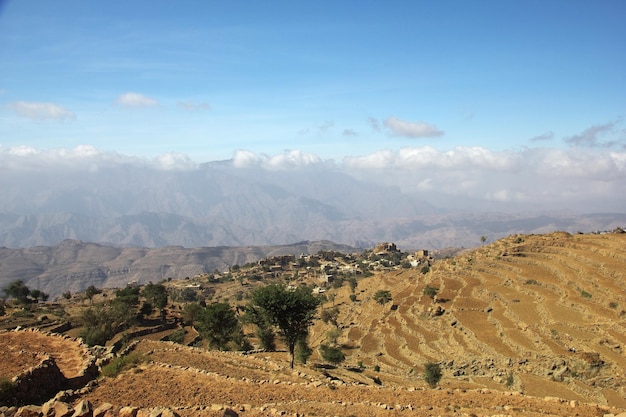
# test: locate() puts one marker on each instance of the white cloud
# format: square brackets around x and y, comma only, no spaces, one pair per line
[411,129]
[84,157]
[534,178]
[350,132]
[174,161]
[41,111]
[525,179]
[246,159]
[136,100]
[289,159]
[193,106]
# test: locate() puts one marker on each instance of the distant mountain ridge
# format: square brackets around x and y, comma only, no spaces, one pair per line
[218,204]
[74,265]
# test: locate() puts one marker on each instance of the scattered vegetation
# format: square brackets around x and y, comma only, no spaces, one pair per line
[22,294]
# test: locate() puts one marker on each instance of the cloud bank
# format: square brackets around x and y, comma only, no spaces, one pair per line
[525,179]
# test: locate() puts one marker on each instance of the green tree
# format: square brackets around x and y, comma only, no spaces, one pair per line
[382,296]
[102,322]
[332,354]
[155,294]
[18,290]
[91,292]
[291,310]
[218,324]
[38,295]
[128,296]
[190,312]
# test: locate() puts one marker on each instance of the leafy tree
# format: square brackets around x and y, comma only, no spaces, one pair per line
[155,294]
[382,296]
[483,239]
[128,296]
[91,292]
[38,295]
[101,322]
[432,374]
[219,325]
[18,290]
[67,295]
[332,354]
[190,312]
[291,310]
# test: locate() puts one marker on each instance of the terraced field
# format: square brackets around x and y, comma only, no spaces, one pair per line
[542,314]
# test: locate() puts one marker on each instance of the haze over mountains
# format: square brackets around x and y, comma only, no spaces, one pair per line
[121,201]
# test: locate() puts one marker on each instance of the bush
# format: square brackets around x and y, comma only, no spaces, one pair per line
[332,354]
[432,374]
[177,336]
[431,292]
[382,296]
[303,351]
[121,363]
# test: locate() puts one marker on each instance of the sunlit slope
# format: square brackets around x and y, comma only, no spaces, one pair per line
[542,313]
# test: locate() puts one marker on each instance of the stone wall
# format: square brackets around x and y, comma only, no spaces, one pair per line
[39,383]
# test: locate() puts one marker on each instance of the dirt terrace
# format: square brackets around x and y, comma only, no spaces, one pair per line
[21,350]
[196,382]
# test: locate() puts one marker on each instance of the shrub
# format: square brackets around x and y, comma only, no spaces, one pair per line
[121,363]
[585,294]
[382,296]
[332,354]
[177,336]
[430,292]
[303,351]
[510,380]
[432,374]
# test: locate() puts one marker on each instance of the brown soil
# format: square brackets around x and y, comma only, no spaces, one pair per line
[20,350]
[196,382]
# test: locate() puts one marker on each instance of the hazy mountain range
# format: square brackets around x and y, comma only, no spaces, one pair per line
[220,204]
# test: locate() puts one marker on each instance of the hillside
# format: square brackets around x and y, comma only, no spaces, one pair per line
[74,265]
[528,325]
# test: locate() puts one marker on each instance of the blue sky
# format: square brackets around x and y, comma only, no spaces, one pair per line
[353,82]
